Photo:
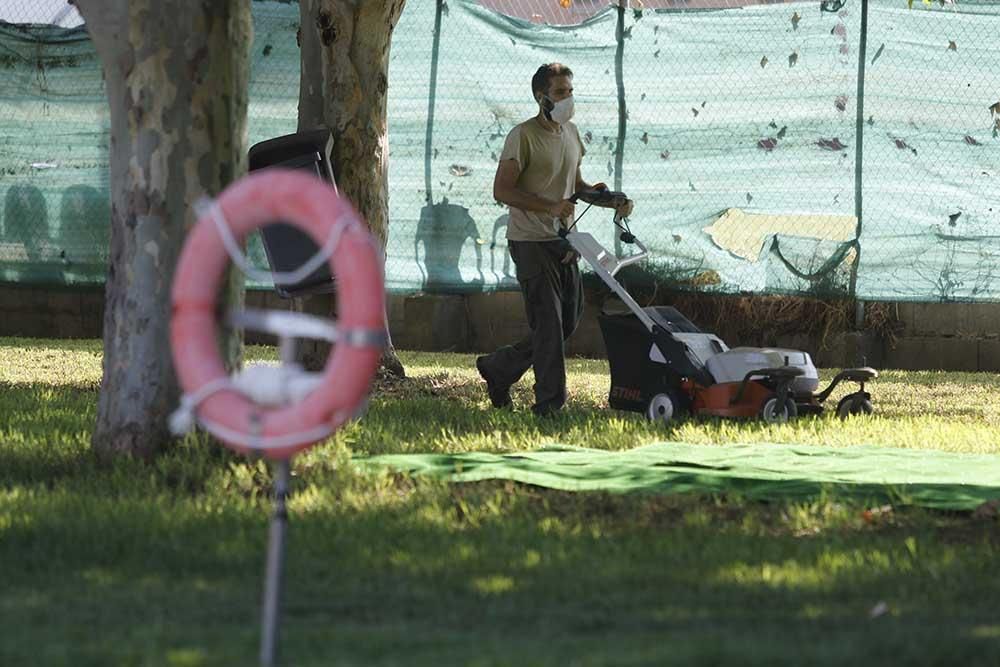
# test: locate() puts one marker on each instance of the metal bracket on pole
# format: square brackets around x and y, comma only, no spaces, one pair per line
[271,614]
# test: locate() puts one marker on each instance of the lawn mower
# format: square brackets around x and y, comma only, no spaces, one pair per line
[665,367]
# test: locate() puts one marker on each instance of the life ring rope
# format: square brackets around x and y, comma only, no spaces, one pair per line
[212,208]
[282,409]
[184,418]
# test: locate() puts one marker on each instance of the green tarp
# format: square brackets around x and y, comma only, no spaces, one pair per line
[926,478]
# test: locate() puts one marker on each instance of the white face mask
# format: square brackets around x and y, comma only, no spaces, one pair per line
[562,110]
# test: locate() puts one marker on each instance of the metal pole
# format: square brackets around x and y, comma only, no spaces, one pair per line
[622,109]
[431,98]
[859,159]
[271,614]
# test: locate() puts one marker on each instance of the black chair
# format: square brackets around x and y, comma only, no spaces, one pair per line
[287,248]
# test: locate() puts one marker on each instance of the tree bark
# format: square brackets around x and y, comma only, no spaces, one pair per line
[344,86]
[177,74]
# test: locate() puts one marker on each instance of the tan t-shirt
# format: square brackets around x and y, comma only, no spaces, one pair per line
[548,163]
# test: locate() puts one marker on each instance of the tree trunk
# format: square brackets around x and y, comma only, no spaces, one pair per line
[344,85]
[177,74]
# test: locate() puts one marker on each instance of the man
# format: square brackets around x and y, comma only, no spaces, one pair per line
[539,171]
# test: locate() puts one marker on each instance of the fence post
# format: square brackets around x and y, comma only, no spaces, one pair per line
[431,99]
[621,6]
[858,165]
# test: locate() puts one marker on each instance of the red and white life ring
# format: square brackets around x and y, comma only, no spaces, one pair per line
[313,206]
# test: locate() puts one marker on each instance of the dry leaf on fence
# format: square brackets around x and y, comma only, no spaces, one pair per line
[952,46]
[768,144]
[972,141]
[795,21]
[878,54]
[831,144]
[763,61]
[840,102]
[793,58]
[459,170]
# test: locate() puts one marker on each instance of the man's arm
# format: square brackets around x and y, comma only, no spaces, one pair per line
[505,190]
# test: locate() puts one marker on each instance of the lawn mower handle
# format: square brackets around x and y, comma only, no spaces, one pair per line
[602,197]
[634,257]
[600,258]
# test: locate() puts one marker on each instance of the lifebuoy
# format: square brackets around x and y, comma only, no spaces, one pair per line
[313,206]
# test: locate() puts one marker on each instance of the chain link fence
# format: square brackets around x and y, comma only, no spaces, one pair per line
[40,12]
[835,148]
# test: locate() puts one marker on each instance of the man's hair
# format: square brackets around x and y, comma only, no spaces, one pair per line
[543,77]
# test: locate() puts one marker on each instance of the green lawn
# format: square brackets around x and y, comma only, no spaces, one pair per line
[162,564]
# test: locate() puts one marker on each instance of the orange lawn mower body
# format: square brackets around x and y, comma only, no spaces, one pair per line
[664,366]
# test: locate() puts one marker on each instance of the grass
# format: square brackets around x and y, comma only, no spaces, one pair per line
[161,564]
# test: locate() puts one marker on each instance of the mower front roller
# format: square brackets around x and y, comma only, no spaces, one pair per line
[856,403]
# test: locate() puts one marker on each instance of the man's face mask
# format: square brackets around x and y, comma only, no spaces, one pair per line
[561,111]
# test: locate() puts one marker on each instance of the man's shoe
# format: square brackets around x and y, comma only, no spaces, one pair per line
[499,394]
[545,411]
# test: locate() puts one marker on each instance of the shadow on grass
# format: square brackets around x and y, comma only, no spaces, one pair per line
[161,565]
[46,433]
[385,571]
[47,441]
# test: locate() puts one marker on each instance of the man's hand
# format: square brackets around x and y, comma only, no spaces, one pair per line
[564,209]
[625,210]
[570,257]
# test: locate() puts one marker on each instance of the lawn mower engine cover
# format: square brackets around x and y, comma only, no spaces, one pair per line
[733,365]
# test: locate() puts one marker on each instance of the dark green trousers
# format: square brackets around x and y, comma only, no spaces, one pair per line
[553,300]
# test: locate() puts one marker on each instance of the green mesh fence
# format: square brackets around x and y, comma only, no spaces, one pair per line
[756,160]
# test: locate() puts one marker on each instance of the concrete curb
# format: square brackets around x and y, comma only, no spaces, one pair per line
[947,336]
